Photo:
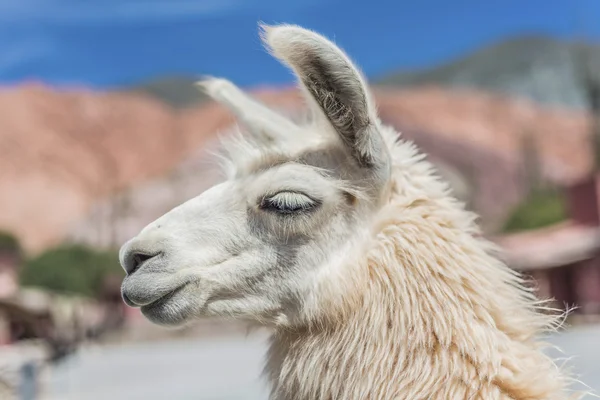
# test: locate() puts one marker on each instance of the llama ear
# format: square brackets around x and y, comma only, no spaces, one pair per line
[262,122]
[336,87]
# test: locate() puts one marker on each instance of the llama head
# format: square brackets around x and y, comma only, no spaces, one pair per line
[296,200]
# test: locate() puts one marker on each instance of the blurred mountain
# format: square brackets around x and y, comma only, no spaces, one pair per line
[538,68]
[63,150]
[98,166]
[474,139]
[535,67]
[177,91]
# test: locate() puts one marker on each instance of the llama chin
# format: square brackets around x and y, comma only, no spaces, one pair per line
[340,236]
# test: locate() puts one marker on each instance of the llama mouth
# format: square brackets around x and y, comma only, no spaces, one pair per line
[167,310]
[132,299]
[164,299]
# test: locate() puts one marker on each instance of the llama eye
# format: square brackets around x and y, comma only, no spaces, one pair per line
[287,203]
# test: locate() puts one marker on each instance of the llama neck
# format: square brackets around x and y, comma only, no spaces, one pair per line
[431,335]
[427,314]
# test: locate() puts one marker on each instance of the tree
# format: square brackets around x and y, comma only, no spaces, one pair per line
[541,208]
[9,243]
[544,204]
[71,269]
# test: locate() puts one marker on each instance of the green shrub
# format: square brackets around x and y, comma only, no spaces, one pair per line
[73,269]
[540,209]
[9,242]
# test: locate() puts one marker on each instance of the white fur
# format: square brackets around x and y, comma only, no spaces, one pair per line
[383,290]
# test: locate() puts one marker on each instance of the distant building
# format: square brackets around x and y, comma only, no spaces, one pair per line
[564,259]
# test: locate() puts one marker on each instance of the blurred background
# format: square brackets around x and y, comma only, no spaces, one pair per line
[102,131]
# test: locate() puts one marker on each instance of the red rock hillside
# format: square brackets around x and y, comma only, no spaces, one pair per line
[62,151]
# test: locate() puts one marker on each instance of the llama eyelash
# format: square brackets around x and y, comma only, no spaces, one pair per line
[370,299]
[288,202]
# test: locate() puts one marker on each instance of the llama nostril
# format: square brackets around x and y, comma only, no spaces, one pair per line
[135,260]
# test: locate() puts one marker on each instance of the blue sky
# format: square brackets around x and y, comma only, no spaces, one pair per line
[111,43]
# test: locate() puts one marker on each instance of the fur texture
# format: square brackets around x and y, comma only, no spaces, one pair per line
[340,237]
[424,311]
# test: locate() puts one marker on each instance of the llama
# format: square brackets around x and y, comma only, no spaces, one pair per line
[339,236]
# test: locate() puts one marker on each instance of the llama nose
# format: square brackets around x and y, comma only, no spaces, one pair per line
[133,260]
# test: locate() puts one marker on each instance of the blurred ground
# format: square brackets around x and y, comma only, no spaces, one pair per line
[219,368]
[222,368]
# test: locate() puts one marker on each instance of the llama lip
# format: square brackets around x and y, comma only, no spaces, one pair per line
[167,310]
[127,300]
[161,301]
[136,293]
